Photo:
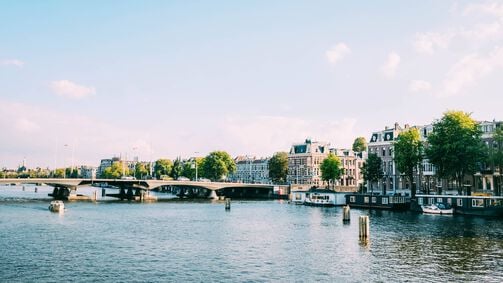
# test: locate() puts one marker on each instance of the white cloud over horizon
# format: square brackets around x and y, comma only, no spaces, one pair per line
[391,65]
[337,53]
[419,86]
[12,62]
[69,89]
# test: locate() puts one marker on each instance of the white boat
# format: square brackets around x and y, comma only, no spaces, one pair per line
[438,208]
[57,206]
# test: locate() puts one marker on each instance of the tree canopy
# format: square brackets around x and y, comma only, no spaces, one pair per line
[331,168]
[162,167]
[455,146]
[498,149]
[408,154]
[217,165]
[116,171]
[372,169]
[360,144]
[278,167]
[140,171]
[189,168]
[177,169]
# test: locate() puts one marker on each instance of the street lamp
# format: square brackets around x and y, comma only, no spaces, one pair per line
[195,162]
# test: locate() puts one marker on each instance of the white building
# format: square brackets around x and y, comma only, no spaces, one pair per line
[251,170]
[304,160]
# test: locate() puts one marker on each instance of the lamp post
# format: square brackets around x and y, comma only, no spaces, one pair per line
[195,162]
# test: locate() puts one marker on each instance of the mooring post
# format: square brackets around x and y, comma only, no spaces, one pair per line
[103,192]
[36,189]
[95,195]
[364,226]
[346,215]
[227,204]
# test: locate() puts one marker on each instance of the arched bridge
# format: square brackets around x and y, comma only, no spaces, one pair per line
[211,188]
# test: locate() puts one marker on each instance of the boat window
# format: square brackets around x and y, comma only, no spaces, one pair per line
[460,202]
[431,200]
[297,196]
[440,200]
[366,199]
[477,202]
[374,199]
[449,200]
[352,199]
[420,201]
[384,200]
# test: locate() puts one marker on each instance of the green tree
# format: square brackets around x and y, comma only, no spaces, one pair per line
[331,168]
[372,169]
[189,168]
[162,167]
[140,171]
[217,165]
[455,146]
[176,170]
[278,167]
[408,154]
[59,173]
[360,144]
[116,171]
[497,155]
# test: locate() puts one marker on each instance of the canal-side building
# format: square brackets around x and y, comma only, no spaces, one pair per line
[251,170]
[381,143]
[304,160]
[351,179]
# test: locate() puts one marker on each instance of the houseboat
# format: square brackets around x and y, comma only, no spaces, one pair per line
[393,202]
[318,197]
[469,205]
[57,206]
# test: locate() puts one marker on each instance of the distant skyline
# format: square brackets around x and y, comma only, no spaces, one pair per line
[86,80]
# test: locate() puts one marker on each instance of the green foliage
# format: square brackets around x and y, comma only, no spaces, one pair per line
[497,146]
[331,168]
[278,167]
[162,167]
[59,173]
[176,170]
[455,146]
[372,169]
[408,154]
[360,144]
[116,171]
[217,165]
[140,171]
[189,168]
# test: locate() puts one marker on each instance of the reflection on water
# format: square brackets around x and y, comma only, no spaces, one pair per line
[254,241]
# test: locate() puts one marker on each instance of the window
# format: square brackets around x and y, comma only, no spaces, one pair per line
[431,200]
[352,199]
[420,201]
[449,200]
[477,202]
[439,200]
[366,199]
[384,200]
[297,197]
[460,202]
[374,199]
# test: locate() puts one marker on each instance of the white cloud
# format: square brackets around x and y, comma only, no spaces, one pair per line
[389,68]
[468,70]
[429,42]
[419,86]
[495,9]
[12,62]
[337,53]
[264,135]
[70,89]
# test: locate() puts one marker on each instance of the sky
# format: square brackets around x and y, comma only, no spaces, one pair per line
[85,80]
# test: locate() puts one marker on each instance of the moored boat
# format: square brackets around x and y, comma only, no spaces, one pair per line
[438,208]
[57,206]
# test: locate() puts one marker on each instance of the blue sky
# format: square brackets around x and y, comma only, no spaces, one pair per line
[170,78]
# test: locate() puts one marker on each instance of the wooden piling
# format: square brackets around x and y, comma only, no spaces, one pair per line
[227,204]
[364,227]
[103,192]
[95,195]
[346,215]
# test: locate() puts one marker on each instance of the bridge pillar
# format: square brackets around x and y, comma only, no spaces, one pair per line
[213,195]
[130,193]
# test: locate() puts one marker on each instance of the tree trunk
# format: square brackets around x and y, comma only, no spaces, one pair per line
[412,187]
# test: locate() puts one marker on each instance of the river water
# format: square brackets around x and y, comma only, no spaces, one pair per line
[256,241]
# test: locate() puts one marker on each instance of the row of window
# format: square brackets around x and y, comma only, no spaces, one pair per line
[477,202]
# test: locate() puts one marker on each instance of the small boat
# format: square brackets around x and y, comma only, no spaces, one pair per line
[438,208]
[57,206]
